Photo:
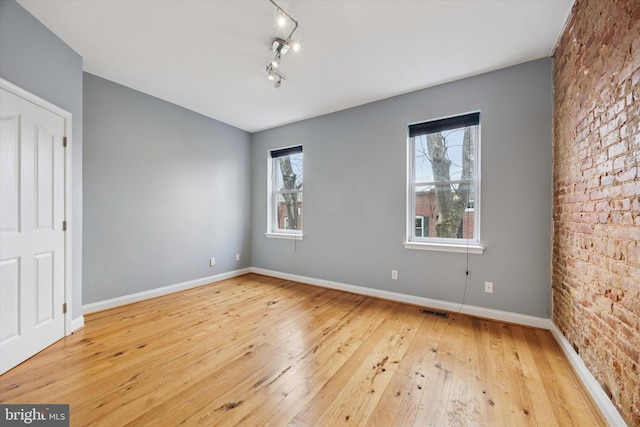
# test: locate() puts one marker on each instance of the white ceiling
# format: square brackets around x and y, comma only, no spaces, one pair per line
[210,55]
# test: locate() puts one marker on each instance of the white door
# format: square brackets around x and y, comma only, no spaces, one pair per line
[32,252]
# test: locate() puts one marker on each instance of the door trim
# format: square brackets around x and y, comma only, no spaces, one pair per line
[28,96]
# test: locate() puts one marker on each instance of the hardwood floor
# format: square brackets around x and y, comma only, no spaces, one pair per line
[256,351]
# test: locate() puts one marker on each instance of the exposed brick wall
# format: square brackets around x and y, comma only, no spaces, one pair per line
[596,183]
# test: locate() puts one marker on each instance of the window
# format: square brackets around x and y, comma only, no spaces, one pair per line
[422,226]
[284,213]
[443,187]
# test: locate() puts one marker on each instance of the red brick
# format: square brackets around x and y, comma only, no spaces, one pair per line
[627,176]
[610,137]
[635,78]
[619,164]
[602,157]
[617,149]
[631,189]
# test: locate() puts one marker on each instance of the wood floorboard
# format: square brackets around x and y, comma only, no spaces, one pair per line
[256,350]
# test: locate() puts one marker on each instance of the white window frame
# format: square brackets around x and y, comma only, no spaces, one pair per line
[471,246]
[272,201]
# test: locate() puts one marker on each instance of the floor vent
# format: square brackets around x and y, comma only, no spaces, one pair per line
[434,313]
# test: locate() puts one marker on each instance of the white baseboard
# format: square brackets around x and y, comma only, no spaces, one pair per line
[77,323]
[504,316]
[141,296]
[601,399]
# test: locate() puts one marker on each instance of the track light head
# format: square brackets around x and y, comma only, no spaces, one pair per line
[295,45]
[270,74]
[277,84]
[280,46]
[275,62]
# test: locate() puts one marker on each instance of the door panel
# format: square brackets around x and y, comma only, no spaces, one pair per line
[10,300]
[32,246]
[9,174]
[44,288]
[44,171]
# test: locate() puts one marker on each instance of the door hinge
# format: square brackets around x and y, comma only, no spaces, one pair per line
[64,308]
[64,225]
[64,141]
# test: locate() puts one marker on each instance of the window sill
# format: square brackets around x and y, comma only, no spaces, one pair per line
[288,236]
[445,247]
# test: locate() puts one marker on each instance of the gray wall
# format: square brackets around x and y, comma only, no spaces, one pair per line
[355,194]
[165,190]
[33,58]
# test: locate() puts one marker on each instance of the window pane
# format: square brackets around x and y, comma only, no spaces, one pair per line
[423,171]
[445,156]
[445,210]
[289,211]
[288,172]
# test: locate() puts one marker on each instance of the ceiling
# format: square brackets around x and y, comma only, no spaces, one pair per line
[210,55]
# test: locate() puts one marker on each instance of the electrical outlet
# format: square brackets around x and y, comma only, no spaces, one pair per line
[394,274]
[237,257]
[488,287]
[212,262]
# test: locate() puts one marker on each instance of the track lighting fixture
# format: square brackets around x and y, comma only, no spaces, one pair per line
[281,46]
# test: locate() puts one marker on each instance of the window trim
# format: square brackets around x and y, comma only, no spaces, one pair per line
[445,247]
[286,236]
[272,230]
[471,246]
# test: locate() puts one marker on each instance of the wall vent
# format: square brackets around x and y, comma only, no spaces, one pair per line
[434,313]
